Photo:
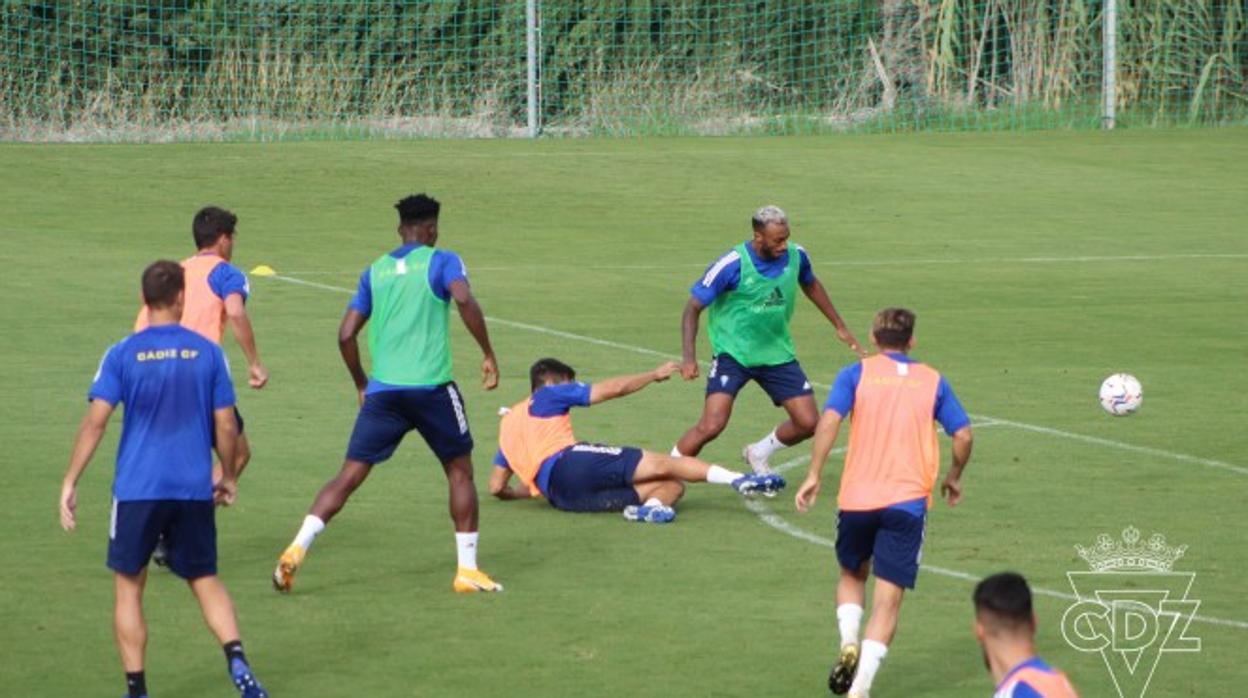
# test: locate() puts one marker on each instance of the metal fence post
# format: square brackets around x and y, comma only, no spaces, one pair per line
[1109,38]
[531,39]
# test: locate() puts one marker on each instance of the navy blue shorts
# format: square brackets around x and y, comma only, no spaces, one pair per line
[892,536]
[387,416]
[593,477]
[781,382]
[189,529]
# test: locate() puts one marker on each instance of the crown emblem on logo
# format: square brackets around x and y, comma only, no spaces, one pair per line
[1131,554]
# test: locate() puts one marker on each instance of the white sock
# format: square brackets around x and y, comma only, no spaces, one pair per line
[311,528]
[466,545]
[849,618]
[767,446]
[676,453]
[868,663]
[721,476]
[654,502]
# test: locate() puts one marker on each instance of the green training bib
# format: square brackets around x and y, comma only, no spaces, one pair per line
[751,322]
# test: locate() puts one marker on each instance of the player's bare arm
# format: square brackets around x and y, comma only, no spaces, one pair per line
[825,439]
[90,432]
[689,339]
[240,324]
[951,488]
[474,319]
[349,347]
[620,386]
[819,296]
[225,427]
[500,488]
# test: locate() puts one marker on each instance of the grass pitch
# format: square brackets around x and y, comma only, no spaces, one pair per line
[1037,264]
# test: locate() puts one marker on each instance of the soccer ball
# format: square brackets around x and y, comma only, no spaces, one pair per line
[1121,394]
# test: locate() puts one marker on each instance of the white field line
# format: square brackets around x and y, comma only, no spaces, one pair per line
[854,263]
[501,321]
[760,509]
[1146,450]
[984,419]
[783,526]
[765,514]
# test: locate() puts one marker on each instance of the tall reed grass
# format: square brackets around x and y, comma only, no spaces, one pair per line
[285,68]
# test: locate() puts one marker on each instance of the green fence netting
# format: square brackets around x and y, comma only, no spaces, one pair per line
[187,69]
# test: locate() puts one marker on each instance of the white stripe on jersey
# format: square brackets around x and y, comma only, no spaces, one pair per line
[732,256]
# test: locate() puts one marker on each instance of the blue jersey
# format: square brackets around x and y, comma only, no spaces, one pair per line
[724,274]
[445,267]
[170,380]
[948,410]
[225,279]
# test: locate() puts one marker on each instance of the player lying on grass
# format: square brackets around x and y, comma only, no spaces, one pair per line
[536,446]
[179,403]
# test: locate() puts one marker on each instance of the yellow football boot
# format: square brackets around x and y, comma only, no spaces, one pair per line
[471,581]
[287,565]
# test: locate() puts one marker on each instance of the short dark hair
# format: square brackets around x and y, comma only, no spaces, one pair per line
[418,208]
[893,327]
[545,369]
[1006,598]
[162,282]
[211,222]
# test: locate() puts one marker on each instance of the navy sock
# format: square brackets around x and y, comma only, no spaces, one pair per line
[136,683]
[234,650]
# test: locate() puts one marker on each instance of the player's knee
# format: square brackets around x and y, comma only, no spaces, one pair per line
[459,471]
[805,425]
[711,425]
[678,490]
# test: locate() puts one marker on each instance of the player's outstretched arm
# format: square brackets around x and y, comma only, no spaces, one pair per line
[240,324]
[349,347]
[620,386]
[825,437]
[689,339]
[474,319]
[225,427]
[819,296]
[499,486]
[951,488]
[90,432]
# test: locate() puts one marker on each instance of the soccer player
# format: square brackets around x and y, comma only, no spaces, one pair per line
[216,295]
[179,401]
[752,291]
[404,297]
[537,446]
[1005,627]
[890,471]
